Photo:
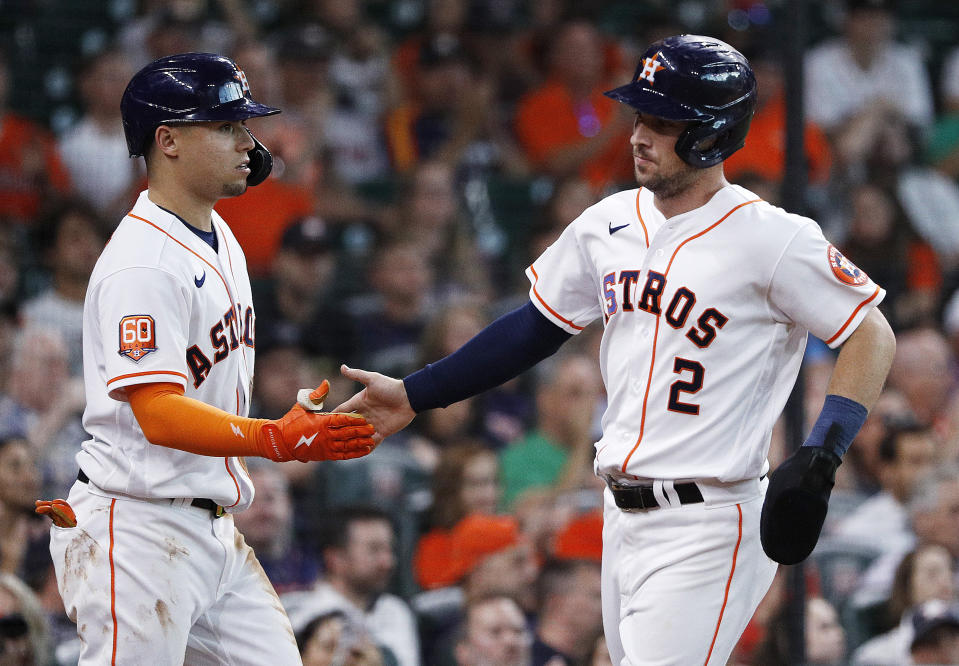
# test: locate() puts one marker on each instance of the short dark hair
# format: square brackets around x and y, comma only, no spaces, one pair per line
[334,531]
[895,428]
[554,578]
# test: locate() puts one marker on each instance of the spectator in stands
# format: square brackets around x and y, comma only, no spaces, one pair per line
[444,21]
[333,639]
[935,638]
[361,78]
[298,304]
[825,637]
[858,477]
[934,513]
[494,631]
[586,129]
[491,554]
[942,143]
[906,454]
[390,320]
[881,242]
[283,369]
[69,240]
[450,116]
[268,526]
[488,555]
[358,554]
[24,637]
[858,80]
[23,539]
[94,149]
[925,575]
[432,217]
[40,370]
[557,452]
[580,538]
[764,154]
[31,170]
[465,481]
[162,28]
[569,613]
[922,371]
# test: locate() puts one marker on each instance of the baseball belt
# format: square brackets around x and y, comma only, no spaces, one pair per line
[641,497]
[199,502]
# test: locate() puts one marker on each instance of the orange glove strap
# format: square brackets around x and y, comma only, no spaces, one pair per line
[169,418]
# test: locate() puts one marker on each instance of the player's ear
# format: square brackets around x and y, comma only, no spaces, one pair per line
[165,140]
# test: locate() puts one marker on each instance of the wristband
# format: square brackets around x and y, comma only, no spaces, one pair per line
[846,415]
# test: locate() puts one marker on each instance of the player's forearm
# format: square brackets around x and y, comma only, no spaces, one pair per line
[169,418]
[864,361]
[510,345]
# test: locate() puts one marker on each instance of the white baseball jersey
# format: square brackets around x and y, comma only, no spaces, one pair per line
[706,316]
[162,306]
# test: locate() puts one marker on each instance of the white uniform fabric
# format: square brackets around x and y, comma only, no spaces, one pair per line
[149,578]
[160,582]
[157,273]
[706,318]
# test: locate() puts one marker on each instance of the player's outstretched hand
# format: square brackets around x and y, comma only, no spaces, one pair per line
[307,435]
[383,402]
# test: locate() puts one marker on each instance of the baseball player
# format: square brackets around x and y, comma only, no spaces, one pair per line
[706,294]
[147,558]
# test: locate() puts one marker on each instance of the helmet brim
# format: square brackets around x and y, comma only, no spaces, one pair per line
[240,109]
[648,100]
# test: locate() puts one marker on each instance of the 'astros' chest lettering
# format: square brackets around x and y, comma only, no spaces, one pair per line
[225,335]
[638,293]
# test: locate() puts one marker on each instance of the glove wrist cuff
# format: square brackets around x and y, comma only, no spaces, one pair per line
[270,443]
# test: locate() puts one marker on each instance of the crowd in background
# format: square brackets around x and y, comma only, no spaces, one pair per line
[427,151]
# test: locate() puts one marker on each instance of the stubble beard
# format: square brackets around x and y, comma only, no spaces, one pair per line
[668,185]
[234,189]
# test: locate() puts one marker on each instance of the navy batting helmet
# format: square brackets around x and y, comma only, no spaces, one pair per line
[701,80]
[191,87]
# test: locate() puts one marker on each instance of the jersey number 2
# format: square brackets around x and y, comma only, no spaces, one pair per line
[695,383]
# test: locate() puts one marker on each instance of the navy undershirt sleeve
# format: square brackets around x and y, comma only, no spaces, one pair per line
[510,345]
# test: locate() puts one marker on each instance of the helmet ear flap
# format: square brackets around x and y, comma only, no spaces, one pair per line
[703,145]
[261,162]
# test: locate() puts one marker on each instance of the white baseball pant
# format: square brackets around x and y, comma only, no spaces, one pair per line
[681,583]
[162,582]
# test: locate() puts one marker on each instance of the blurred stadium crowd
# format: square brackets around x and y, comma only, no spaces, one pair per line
[427,151]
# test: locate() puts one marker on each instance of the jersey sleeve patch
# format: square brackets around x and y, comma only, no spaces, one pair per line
[137,336]
[844,270]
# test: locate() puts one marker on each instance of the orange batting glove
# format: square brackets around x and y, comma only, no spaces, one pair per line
[305,435]
[59,511]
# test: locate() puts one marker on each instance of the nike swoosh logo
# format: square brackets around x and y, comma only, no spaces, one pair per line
[198,281]
[613,230]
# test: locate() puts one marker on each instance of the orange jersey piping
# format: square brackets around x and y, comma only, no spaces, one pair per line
[546,305]
[652,360]
[113,587]
[640,216]
[729,582]
[853,315]
[144,374]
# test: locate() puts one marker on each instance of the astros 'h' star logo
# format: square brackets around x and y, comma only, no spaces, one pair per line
[845,270]
[650,67]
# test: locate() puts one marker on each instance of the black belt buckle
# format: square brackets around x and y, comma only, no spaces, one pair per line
[633,498]
[209,505]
